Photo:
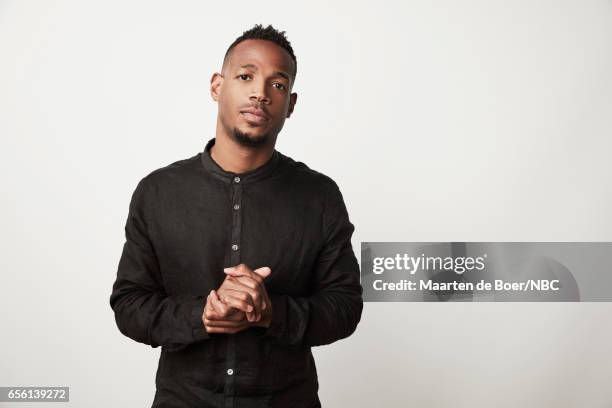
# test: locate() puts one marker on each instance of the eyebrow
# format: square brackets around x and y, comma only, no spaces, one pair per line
[279,73]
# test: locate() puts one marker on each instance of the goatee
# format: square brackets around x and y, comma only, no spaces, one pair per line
[249,141]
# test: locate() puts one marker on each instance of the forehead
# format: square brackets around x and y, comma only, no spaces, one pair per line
[261,53]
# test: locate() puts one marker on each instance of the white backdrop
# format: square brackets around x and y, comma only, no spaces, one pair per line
[440,121]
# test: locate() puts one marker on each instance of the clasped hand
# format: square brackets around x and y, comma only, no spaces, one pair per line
[240,302]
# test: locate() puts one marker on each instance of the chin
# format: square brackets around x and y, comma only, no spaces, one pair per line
[249,139]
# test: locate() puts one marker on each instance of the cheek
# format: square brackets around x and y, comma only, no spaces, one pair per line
[281,106]
[228,107]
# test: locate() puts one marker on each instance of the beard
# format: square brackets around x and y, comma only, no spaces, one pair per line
[244,139]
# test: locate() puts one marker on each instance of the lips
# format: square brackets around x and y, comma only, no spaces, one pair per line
[254,115]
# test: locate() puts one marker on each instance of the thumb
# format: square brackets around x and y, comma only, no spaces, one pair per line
[263,271]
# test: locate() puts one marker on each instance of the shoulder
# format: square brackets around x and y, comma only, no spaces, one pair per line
[325,191]
[168,176]
[304,176]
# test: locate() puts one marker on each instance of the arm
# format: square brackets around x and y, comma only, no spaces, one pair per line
[333,311]
[143,311]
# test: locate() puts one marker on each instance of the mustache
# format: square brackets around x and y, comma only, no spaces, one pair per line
[255,106]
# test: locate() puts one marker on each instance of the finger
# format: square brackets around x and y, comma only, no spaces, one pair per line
[242,294]
[240,267]
[227,330]
[255,295]
[208,307]
[251,279]
[243,271]
[243,284]
[223,323]
[247,281]
[264,271]
[258,274]
[219,306]
[213,315]
[260,289]
[253,298]
[236,315]
[223,330]
[238,294]
[231,313]
[237,299]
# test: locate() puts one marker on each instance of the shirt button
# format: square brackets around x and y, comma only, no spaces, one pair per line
[236,179]
[236,206]
[235,247]
[230,371]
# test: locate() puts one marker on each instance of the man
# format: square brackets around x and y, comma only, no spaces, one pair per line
[238,260]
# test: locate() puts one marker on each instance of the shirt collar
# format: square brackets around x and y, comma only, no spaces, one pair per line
[252,175]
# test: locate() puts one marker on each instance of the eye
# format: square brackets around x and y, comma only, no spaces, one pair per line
[280,86]
[243,76]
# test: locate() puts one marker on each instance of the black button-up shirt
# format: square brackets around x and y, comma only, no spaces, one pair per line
[189,220]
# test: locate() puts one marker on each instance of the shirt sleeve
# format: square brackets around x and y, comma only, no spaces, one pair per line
[143,310]
[333,310]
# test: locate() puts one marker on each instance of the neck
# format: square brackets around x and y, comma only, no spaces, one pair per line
[235,158]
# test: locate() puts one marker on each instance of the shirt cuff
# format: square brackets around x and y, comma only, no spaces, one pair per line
[279,316]
[198,330]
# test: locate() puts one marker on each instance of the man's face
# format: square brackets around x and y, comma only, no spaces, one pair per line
[253,92]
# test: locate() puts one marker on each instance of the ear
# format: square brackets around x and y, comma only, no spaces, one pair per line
[292,101]
[216,83]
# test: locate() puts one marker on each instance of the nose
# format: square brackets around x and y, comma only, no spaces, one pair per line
[258,92]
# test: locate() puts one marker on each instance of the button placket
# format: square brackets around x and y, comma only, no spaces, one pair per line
[236,233]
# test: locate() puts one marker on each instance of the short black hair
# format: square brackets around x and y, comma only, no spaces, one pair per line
[269,33]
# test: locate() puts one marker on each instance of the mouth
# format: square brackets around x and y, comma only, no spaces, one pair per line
[254,115]
[255,119]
